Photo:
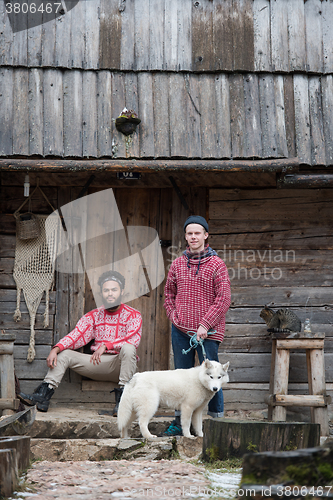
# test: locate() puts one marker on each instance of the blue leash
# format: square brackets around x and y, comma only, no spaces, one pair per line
[194,342]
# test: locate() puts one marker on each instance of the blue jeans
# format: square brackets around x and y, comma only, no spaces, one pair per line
[181,341]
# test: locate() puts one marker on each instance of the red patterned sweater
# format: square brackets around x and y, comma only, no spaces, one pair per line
[198,297]
[113,329]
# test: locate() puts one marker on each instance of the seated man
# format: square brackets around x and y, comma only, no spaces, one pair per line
[116,331]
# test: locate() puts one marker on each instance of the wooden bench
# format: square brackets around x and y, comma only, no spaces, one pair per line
[8,402]
[279,398]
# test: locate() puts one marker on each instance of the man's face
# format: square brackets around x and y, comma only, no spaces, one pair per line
[195,236]
[111,294]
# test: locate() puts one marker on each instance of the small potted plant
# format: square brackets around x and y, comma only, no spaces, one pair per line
[127,121]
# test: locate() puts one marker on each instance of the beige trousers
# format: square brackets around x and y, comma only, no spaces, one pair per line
[118,368]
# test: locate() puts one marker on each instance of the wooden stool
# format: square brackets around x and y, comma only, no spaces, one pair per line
[278,397]
[8,403]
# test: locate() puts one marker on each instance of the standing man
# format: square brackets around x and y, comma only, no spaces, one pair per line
[197,297]
[116,330]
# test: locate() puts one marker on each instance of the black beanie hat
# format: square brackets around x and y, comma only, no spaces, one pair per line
[196,219]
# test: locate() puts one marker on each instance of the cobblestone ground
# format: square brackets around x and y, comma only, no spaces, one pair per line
[123,479]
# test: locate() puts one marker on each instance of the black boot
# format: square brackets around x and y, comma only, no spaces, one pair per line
[40,397]
[118,393]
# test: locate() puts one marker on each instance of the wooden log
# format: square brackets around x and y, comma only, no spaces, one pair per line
[317,381]
[289,164]
[21,444]
[300,344]
[8,472]
[306,181]
[299,400]
[7,371]
[280,384]
[226,438]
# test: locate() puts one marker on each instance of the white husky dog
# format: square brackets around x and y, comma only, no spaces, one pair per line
[188,390]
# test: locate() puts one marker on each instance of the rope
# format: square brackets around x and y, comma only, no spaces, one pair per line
[194,342]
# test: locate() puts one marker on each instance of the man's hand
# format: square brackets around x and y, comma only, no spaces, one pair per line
[201,333]
[96,357]
[51,360]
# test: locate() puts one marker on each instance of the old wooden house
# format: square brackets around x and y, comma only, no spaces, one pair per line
[235,99]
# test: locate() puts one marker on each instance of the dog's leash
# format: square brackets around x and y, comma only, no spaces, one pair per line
[194,342]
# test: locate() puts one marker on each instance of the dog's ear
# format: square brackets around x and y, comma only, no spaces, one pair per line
[225,367]
[208,364]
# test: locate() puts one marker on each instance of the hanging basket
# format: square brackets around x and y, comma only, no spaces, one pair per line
[27,226]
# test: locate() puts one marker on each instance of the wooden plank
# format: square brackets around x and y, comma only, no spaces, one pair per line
[253,136]
[161,115]
[20,40]
[223,35]
[91,34]
[296,35]
[35,111]
[314,36]
[279,36]
[104,146]
[177,113]
[141,36]
[184,39]
[327,22]
[42,352]
[10,306]
[327,109]
[202,36]
[237,115]
[292,400]
[63,40]
[20,112]
[243,35]
[192,86]
[109,35]
[10,295]
[282,296]
[127,36]
[49,42]
[6,111]
[6,39]
[42,337]
[320,315]
[302,118]
[117,105]
[223,130]
[7,322]
[34,47]
[318,153]
[72,88]
[208,115]
[132,102]
[156,35]
[53,112]
[171,35]
[289,110]
[262,35]
[32,371]
[61,320]
[162,326]
[146,127]
[267,114]
[78,34]
[89,113]
[280,116]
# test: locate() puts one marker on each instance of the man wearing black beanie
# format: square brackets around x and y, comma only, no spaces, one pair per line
[197,297]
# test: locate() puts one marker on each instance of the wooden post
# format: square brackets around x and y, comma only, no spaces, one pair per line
[318,385]
[281,375]
[7,370]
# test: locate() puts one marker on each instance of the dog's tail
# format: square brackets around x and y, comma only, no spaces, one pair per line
[126,414]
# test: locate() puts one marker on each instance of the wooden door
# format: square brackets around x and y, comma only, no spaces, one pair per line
[152,208]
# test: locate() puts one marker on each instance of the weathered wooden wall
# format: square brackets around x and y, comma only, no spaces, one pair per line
[182,35]
[71,113]
[277,245]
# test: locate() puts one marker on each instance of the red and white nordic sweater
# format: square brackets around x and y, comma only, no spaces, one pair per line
[113,329]
[198,297]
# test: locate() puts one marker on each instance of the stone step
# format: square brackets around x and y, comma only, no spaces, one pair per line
[55,450]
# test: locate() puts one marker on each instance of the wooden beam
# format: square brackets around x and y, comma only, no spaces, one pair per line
[300,344]
[296,181]
[299,400]
[277,165]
